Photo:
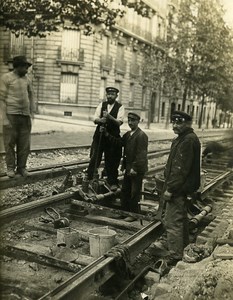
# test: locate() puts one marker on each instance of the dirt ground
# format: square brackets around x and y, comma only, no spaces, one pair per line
[208,279]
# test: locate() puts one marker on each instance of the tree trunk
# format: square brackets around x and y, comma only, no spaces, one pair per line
[201,113]
[184,97]
[168,113]
[149,112]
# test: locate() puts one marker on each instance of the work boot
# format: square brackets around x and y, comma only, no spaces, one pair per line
[23,172]
[158,248]
[10,172]
[160,244]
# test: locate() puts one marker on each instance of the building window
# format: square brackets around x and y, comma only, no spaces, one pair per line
[118,85]
[163,110]
[144,97]
[103,83]
[188,109]
[131,95]
[178,107]
[70,45]
[105,42]
[17,45]
[69,84]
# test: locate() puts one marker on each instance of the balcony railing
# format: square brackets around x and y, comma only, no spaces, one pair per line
[14,50]
[106,62]
[120,66]
[70,55]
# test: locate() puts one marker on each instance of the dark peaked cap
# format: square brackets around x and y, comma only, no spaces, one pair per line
[181,114]
[112,89]
[133,115]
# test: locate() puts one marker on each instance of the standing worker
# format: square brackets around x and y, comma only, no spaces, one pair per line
[182,178]
[135,163]
[110,114]
[17,103]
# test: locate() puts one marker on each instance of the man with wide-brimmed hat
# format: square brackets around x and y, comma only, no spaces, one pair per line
[17,102]
[110,114]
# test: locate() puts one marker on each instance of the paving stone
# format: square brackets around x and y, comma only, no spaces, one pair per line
[223,252]
[152,277]
[161,288]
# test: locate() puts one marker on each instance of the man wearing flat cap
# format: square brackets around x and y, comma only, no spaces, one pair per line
[135,164]
[110,114]
[17,103]
[182,178]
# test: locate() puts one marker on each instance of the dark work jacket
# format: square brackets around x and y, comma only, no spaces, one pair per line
[182,171]
[135,151]
[111,127]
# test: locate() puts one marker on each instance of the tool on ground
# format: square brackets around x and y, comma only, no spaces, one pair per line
[67,183]
[57,220]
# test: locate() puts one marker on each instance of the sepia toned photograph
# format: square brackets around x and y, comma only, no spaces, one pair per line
[116,149]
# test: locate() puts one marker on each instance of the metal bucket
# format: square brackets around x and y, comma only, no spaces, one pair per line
[101,240]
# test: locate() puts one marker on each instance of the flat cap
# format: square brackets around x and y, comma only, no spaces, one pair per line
[111,89]
[20,60]
[181,114]
[133,115]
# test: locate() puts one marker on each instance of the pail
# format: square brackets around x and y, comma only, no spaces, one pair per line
[101,240]
[67,236]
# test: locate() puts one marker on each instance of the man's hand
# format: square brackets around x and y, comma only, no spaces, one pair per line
[167,196]
[132,172]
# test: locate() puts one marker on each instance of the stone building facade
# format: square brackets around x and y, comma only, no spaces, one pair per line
[71,70]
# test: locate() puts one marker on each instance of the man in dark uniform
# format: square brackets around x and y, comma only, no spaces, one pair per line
[135,163]
[182,178]
[110,114]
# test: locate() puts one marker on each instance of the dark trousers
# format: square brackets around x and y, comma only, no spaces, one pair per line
[17,134]
[112,156]
[131,192]
[176,225]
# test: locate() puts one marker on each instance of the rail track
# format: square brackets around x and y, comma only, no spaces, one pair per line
[49,171]
[40,261]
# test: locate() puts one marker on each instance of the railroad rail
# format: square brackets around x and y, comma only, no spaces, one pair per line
[75,166]
[85,274]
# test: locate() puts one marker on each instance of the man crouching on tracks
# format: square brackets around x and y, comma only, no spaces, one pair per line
[135,163]
[182,178]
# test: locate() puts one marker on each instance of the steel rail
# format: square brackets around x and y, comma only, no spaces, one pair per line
[52,171]
[23,209]
[90,278]
[74,147]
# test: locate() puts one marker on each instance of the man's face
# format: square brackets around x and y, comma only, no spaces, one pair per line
[133,123]
[111,97]
[179,125]
[22,70]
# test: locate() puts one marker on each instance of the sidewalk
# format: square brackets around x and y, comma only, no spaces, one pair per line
[55,132]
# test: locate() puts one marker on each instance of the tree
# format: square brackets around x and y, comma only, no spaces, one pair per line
[200,45]
[39,17]
[159,73]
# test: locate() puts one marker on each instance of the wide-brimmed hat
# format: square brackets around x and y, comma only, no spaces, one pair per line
[20,60]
